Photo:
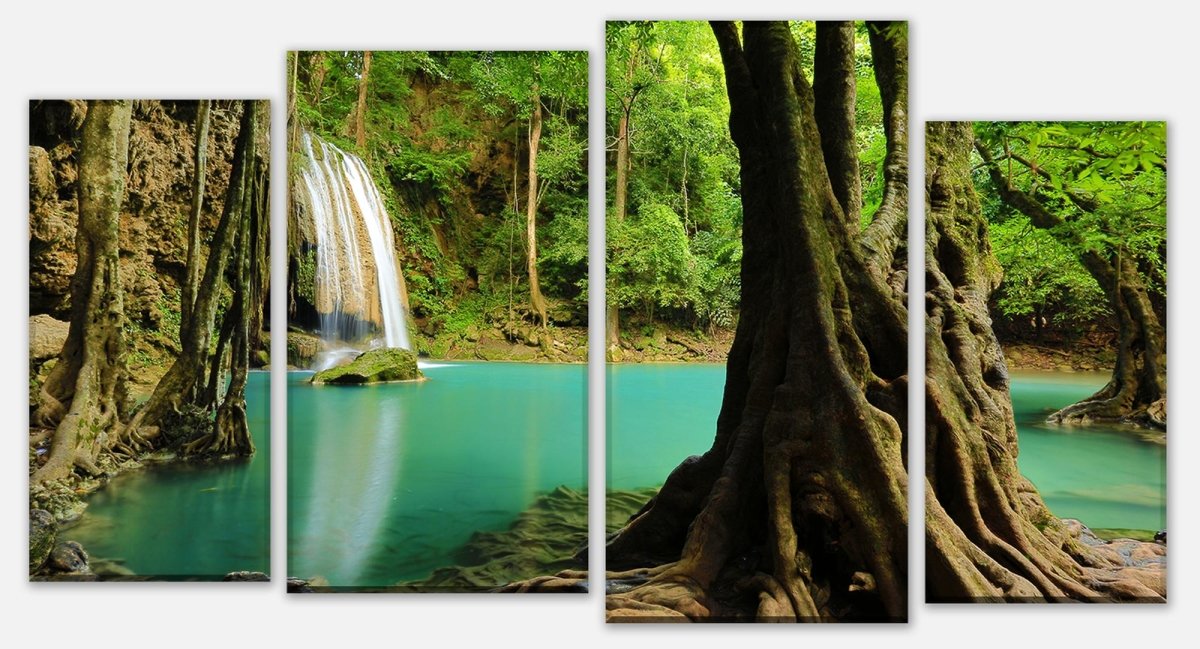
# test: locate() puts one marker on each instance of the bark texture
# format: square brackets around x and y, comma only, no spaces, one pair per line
[798,512]
[834,88]
[200,160]
[82,398]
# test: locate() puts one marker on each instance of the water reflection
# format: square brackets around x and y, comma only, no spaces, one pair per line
[193,520]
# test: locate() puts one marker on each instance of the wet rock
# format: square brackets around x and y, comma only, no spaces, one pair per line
[246,575]
[69,557]
[375,366]
[1160,537]
[298,586]
[60,499]
[42,532]
[46,337]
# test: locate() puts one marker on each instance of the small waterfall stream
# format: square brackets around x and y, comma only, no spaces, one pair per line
[358,288]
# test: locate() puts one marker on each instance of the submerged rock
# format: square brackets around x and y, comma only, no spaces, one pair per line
[375,366]
[42,532]
[547,538]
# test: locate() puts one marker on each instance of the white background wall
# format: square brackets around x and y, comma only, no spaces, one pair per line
[1017,59]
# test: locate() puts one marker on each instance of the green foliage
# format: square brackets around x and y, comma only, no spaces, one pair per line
[650,264]
[868,119]
[670,78]
[1106,181]
[718,279]
[1042,278]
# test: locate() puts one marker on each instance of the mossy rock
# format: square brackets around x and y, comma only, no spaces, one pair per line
[302,348]
[375,366]
[43,530]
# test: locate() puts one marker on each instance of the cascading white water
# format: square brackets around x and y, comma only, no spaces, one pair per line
[354,238]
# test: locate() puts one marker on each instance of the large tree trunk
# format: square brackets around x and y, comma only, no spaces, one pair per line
[1137,391]
[187,374]
[88,381]
[536,301]
[798,512]
[989,536]
[191,275]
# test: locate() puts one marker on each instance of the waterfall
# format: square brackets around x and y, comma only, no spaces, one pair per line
[357,284]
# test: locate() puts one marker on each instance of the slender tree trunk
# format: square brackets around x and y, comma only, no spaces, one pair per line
[231,434]
[1137,391]
[187,373]
[536,301]
[989,536]
[360,109]
[260,267]
[620,196]
[621,190]
[798,512]
[84,391]
[192,268]
[317,65]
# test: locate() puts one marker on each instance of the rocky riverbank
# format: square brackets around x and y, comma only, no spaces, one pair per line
[1135,568]
[1078,358]
[665,344]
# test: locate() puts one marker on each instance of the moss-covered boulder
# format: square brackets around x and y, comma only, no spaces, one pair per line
[375,366]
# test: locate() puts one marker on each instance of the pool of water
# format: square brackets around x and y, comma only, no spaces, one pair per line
[385,482]
[193,520]
[1102,475]
[659,414]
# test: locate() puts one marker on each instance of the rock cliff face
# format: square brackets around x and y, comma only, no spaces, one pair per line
[153,225]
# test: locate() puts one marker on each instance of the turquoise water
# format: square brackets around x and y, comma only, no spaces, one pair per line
[659,414]
[386,481]
[193,520]
[1101,475]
